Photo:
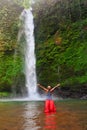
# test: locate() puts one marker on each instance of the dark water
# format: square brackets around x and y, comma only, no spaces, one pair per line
[70,115]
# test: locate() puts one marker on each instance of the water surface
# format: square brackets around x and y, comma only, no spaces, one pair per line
[70,115]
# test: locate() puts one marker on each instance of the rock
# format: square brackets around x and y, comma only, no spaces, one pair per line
[84,97]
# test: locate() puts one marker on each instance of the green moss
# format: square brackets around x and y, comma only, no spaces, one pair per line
[4,94]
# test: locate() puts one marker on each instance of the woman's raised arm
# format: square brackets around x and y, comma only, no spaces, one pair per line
[55,87]
[39,85]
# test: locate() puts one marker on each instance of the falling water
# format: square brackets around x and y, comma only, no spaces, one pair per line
[30,61]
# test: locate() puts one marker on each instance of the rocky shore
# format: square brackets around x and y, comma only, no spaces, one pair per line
[76,92]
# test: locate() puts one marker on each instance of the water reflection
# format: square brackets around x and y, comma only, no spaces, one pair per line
[31,118]
[50,121]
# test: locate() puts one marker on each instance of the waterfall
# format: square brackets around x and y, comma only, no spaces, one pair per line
[29,48]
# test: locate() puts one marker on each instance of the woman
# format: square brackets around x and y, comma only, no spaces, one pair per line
[49,103]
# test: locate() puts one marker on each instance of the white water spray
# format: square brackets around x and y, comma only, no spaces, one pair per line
[30,61]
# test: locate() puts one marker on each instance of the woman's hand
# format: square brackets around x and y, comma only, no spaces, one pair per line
[38,85]
[58,85]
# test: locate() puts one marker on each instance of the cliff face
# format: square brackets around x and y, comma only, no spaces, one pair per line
[61,43]
[60,31]
[10,66]
[9,18]
[52,14]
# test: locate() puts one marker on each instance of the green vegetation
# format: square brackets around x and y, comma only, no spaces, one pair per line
[23,3]
[4,94]
[61,43]
[10,62]
[10,68]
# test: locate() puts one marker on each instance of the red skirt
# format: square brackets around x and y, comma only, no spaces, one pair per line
[49,106]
